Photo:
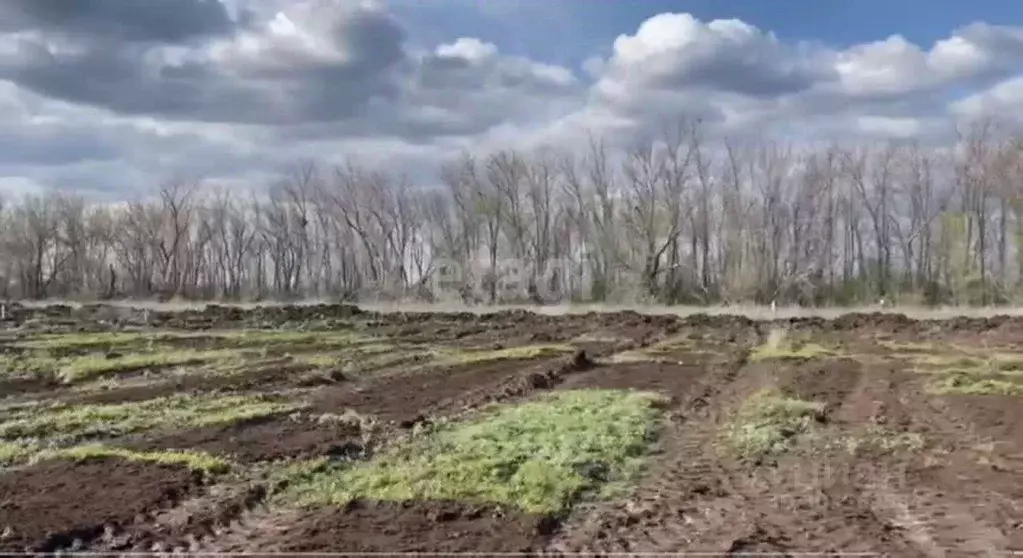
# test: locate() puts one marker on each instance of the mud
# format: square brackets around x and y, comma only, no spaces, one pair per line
[61,504]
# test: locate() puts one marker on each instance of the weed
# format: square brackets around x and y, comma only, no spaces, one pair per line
[632,357]
[907,347]
[314,339]
[196,461]
[74,421]
[15,452]
[803,352]
[769,423]
[1008,363]
[26,365]
[540,456]
[90,367]
[319,360]
[87,340]
[472,356]
[963,383]
[950,360]
[777,347]
[879,438]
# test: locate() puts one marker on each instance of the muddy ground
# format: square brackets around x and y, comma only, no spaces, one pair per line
[892,462]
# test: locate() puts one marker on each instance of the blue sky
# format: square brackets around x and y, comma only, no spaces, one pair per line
[569,31]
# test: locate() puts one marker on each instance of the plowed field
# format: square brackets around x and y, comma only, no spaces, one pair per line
[329,429]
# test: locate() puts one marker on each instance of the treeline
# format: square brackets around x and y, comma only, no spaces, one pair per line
[679,220]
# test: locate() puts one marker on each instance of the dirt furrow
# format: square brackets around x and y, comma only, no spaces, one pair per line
[936,495]
[683,494]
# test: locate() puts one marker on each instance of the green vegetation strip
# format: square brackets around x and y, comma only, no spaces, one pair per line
[14,453]
[769,424]
[99,340]
[77,369]
[878,438]
[90,367]
[182,411]
[961,372]
[196,461]
[225,339]
[965,383]
[82,357]
[803,352]
[777,347]
[448,356]
[539,456]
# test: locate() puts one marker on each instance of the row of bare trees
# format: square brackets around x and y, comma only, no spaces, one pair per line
[679,220]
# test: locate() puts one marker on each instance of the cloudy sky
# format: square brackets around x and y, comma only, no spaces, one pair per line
[112,97]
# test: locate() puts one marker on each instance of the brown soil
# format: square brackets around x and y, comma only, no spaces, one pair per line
[962,492]
[824,380]
[262,440]
[52,504]
[184,527]
[265,377]
[10,387]
[996,417]
[434,527]
[406,399]
[670,379]
[815,500]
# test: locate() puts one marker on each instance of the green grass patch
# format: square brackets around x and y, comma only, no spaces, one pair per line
[633,357]
[90,367]
[449,356]
[540,456]
[778,346]
[965,383]
[1008,362]
[960,373]
[88,340]
[949,360]
[769,423]
[27,365]
[790,352]
[908,347]
[328,360]
[368,358]
[167,340]
[193,460]
[15,452]
[87,367]
[312,339]
[981,364]
[878,438]
[182,411]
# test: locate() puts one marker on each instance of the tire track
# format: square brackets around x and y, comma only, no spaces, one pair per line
[932,499]
[682,496]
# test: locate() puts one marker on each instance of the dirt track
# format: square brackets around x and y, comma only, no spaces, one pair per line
[844,489]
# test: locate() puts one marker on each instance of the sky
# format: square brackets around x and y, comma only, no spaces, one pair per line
[112,98]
